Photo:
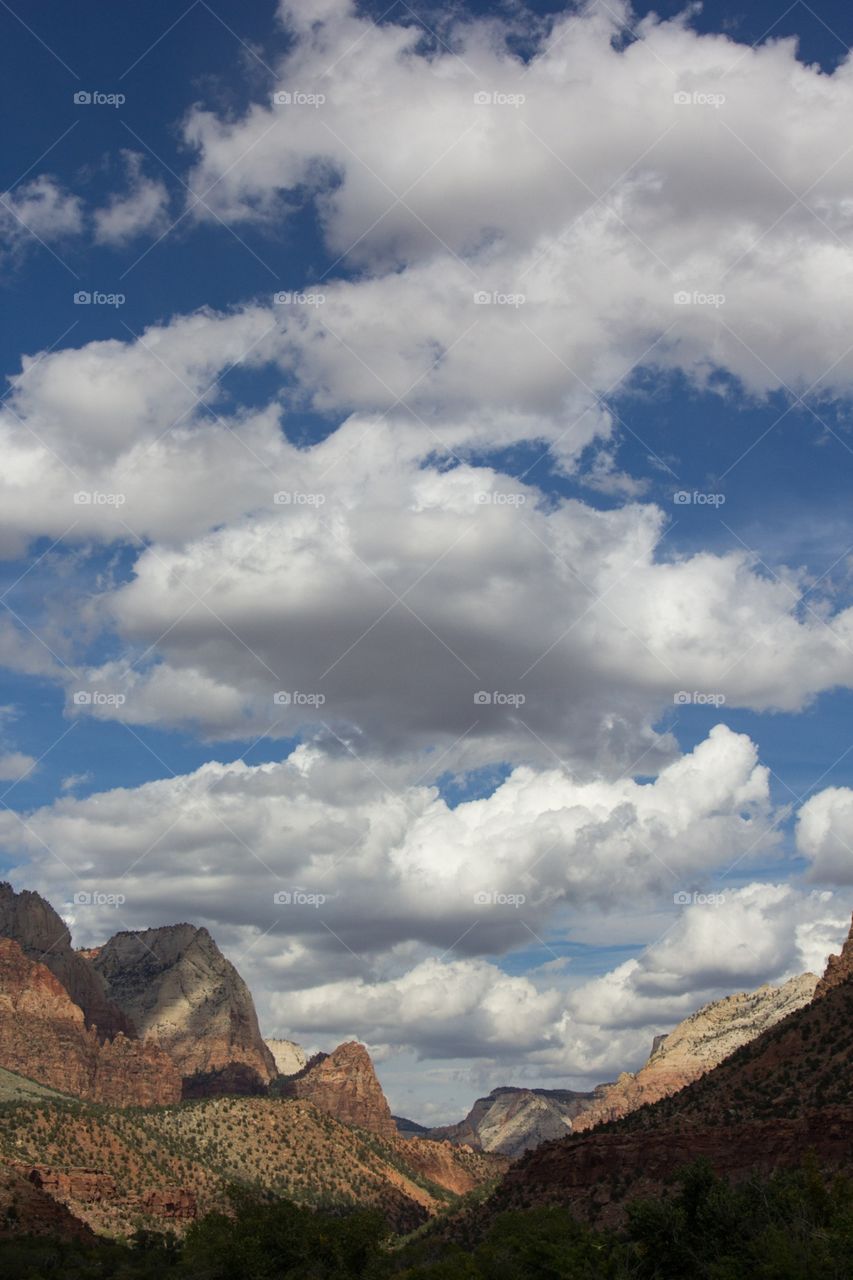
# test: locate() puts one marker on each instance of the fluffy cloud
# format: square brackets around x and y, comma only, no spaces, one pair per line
[40,210]
[470,1008]
[142,208]
[15,765]
[396,594]
[602,179]
[393,864]
[825,835]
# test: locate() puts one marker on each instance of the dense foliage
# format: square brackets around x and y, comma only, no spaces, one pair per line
[796,1226]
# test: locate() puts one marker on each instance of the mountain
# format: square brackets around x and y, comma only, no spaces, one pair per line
[511,1120]
[43,1035]
[288,1056]
[43,936]
[696,1045]
[782,1094]
[344,1085]
[176,987]
[162,1168]
[410,1128]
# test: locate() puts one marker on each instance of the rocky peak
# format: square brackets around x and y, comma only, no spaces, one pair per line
[838,968]
[179,990]
[44,937]
[289,1057]
[344,1084]
[512,1120]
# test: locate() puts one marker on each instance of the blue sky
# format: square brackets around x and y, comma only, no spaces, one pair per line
[700,400]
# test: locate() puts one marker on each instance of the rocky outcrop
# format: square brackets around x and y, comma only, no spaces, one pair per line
[697,1044]
[838,968]
[289,1057]
[179,991]
[27,1210]
[92,1193]
[43,1036]
[44,937]
[344,1085]
[511,1121]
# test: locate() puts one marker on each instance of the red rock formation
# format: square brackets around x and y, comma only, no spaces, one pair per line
[135,1073]
[87,1187]
[27,1210]
[344,1084]
[44,937]
[43,1036]
[838,968]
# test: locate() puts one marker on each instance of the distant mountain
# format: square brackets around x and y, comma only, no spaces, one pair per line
[697,1044]
[179,991]
[514,1120]
[786,1092]
[410,1128]
[344,1085]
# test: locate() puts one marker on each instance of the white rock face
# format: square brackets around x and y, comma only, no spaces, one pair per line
[179,990]
[289,1056]
[511,1121]
[518,1123]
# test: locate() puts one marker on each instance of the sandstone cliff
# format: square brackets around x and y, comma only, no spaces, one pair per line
[344,1085]
[43,1036]
[43,936]
[697,1044]
[179,991]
